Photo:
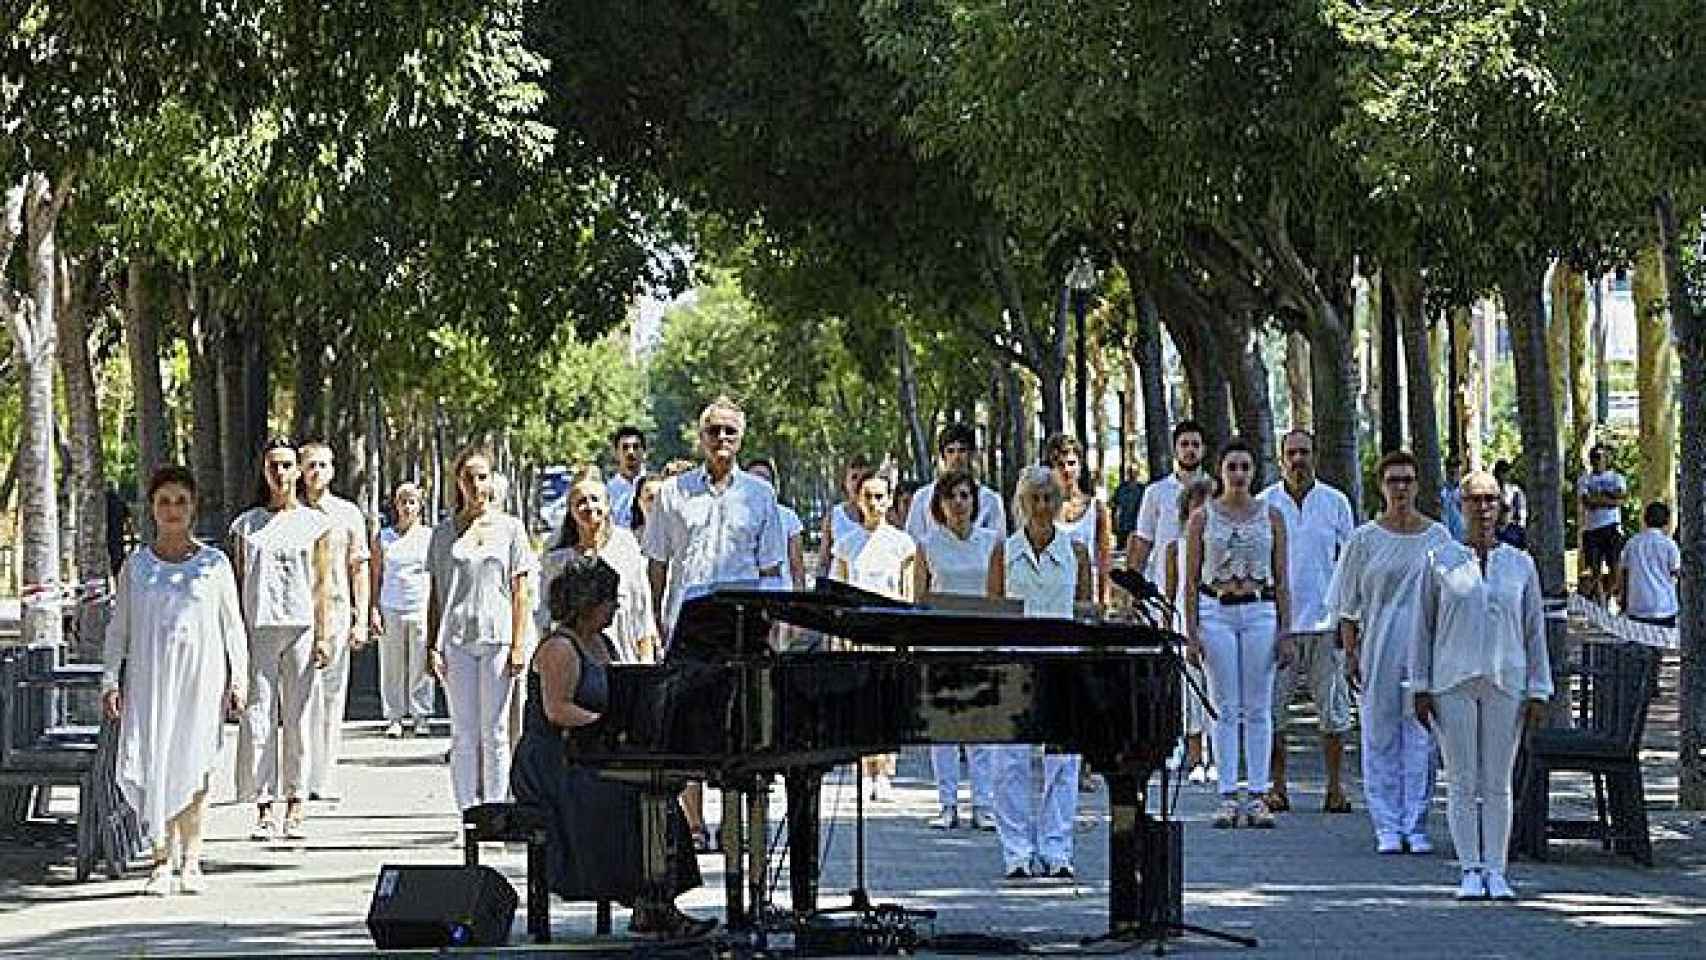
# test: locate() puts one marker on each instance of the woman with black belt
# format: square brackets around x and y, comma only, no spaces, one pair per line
[597,848]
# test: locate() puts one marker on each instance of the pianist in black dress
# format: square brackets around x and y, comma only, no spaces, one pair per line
[596,843]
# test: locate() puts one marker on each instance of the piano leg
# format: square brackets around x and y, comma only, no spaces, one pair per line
[1125,854]
[733,835]
[757,853]
[804,788]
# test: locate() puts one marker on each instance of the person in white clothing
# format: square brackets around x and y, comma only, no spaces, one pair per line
[712,524]
[1318,521]
[1237,616]
[844,517]
[956,560]
[1481,674]
[1157,517]
[1599,496]
[1375,596]
[1051,574]
[956,445]
[1199,763]
[175,642]
[1647,576]
[1083,517]
[399,617]
[477,628]
[282,557]
[793,575]
[629,446]
[351,593]
[878,557]
[589,531]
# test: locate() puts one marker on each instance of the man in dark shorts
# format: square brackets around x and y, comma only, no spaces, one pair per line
[1600,494]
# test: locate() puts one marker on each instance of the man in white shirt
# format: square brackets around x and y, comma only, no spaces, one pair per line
[1318,521]
[1158,518]
[1600,495]
[957,447]
[351,588]
[629,445]
[1651,561]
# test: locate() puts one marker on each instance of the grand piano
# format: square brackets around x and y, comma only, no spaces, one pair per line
[728,707]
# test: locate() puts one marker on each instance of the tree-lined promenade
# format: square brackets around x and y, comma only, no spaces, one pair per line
[401,227]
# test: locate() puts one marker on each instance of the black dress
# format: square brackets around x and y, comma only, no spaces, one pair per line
[596,844]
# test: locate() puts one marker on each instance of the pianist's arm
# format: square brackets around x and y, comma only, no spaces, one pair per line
[559,673]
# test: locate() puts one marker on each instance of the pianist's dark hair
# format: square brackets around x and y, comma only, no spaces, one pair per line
[946,484]
[585,582]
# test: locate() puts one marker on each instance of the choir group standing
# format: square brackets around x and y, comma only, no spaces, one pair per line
[1440,640]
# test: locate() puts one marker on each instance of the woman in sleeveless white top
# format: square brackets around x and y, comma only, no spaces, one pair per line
[1236,612]
[954,560]
[1049,573]
[1083,518]
[844,517]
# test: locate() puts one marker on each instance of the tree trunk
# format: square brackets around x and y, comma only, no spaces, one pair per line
[142,340]
[1254,408]
[87,469]
[309,422]
[1157,430]
[923,464]
[198,312]
[1407,301]
[1654,357]
[1205,375]
[238,484]
[1297,381]
[1601,353]
[1539,427]
[32,210]
[1690,328]
[1558,358]
[1333,395]
[1018,426]
[1464,397]
[1391,382]
[345,427]
[1581,370]
[1051,370]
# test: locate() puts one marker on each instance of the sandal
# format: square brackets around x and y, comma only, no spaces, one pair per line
[1336,803]
[1277,801]
[703,842]
[667,922]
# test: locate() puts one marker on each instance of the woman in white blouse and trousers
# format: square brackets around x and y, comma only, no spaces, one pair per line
[1050,573]
[589,531]
[1481,675]
[400,614]
[956,559]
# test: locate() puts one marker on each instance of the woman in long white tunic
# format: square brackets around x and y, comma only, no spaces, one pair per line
[1376,593]
[1050,574]
[176,658]
[401,583]
[876,556]
[955,560]
[1481,672]
[589,531]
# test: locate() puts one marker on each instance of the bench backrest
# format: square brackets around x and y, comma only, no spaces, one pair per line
[1618,681]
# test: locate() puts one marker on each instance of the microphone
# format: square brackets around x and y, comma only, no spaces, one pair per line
[1135,584]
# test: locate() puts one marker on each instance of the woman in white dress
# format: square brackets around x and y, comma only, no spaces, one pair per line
[1481,674]
[879,557]
[1083,517]
[844,517]
[1237,613]
[1051,574]
[1200,770]
[1376,594]
[589,532]
[477,628]
[176,659]
[281,552]
[399,615]
[955,560]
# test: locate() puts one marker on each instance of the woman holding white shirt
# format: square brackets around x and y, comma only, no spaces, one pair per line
[955,559]
[400,615]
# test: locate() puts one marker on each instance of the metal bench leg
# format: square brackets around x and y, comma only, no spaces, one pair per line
[538,892]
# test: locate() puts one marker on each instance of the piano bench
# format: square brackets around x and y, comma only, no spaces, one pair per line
[514,823]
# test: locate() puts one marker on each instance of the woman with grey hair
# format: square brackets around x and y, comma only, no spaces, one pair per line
[597,847]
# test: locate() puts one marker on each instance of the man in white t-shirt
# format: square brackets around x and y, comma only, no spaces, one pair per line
[956,445]
[1158,517]
[1600,495]
[629,446]
[1647,576]
[351,589]
[1318,521]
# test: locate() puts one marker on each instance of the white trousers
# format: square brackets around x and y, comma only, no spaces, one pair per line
[1480,727]
[477,689]
[980,763]
[326,720]
[405,684]
[1238,656]
[1031,829]
[1398,778]
[281,682]
[1196,718]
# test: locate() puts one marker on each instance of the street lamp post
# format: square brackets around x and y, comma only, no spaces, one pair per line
[1081,280]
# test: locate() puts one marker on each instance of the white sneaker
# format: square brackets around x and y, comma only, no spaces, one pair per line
[394,731]
[1498,887]
[1198,775]
[881,789]
[1177,759]
[1419,843]
[1387,843]
[948,819]
[160,882]
[982,819]
[1212,774]
[264,831]
[1473,886]
[191,881]
[1227,816]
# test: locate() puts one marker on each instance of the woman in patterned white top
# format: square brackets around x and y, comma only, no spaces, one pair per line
[955,559]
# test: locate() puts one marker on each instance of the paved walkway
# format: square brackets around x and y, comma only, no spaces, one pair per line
[1310,887]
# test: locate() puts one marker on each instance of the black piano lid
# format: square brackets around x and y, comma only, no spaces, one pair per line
[707,625]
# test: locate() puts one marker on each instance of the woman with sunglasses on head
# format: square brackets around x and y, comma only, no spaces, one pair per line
[1236,615]
[954,560]
[1376,596]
